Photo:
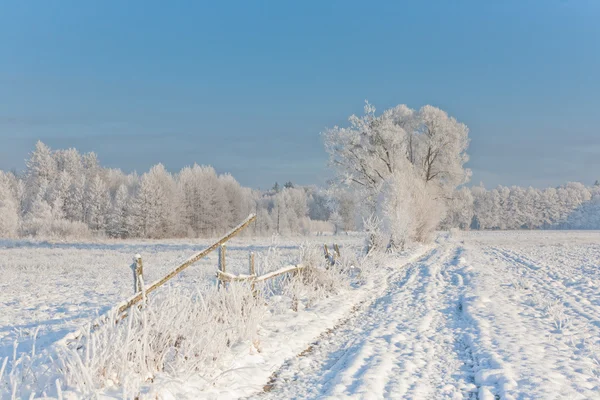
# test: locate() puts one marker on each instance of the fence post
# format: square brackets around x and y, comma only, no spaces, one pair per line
[222,267]
[337,249]
[138,275]
[330,258]
[252,271]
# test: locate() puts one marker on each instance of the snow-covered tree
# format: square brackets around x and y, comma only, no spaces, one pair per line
[38,220]
[409,208]
[153,211]
[407,145]
[41,172]
[74,206]
[97,202]
[290,208]
[117,224]
[69,161]
[203,201]
[342,204]
[9,211]
[459,212]
[441,148]
[58,192]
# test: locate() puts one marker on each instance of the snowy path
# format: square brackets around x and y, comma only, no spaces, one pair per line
[467,321]
[403,345]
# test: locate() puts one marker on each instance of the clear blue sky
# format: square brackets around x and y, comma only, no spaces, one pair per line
[248,86]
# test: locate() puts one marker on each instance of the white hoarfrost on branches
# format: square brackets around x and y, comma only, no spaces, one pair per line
[411,209]
[405,164]
[459,210]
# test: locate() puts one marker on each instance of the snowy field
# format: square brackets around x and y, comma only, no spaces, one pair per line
[476,315]
[54,288]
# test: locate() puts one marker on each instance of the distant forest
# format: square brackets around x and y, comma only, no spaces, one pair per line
[65,194]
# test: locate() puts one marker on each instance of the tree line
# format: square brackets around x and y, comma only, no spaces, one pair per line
[400,175]
[65,194]
[570,206]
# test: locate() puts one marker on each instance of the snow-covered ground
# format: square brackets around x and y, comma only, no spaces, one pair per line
[54,288]
[499,315]
[485,315]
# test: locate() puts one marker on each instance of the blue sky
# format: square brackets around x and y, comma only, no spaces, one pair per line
[248,86]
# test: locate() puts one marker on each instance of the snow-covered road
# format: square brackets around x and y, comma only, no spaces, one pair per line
[468,320]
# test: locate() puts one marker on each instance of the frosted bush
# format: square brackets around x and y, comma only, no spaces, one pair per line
[409,209]
[319,279]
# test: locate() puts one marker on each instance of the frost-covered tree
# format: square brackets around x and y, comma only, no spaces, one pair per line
[459,211]
[410,208]
[153,211]
[374,147]
[318,205]
[9,211]
[41,172]
[74,206]
[425,145]
[58,192]
[91,165]
[289,210]
[117,224]
[366,153]
[203,201]
[69,161]
[238,205]
[441,148]
[38,220]
[342,204]
[97,202]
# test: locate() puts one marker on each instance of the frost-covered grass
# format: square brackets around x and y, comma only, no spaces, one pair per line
[187,329]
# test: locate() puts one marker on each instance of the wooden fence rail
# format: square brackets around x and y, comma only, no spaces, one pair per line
[223,276]
[152,287]
[226,277]
[141,291]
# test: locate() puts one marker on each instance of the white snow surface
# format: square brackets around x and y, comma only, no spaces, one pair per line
[481,316]
[476,315]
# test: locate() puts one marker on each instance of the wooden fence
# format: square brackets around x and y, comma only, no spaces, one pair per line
[141,290]
[223,276]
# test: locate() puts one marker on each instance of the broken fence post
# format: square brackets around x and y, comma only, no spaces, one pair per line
[329,257]
[337,249]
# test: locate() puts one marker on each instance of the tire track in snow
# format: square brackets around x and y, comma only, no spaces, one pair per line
[403,345]
[331,352]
